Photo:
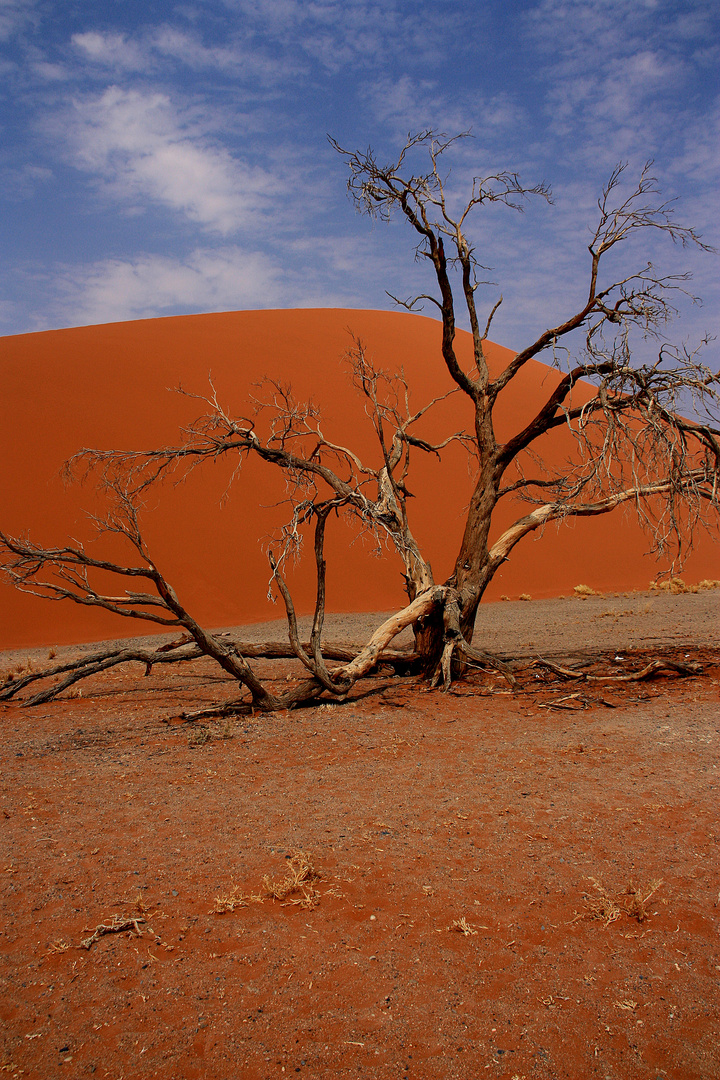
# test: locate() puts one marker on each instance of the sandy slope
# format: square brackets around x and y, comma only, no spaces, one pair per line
[106,386]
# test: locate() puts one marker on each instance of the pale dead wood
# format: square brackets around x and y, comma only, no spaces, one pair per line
[655,667]
[117,926]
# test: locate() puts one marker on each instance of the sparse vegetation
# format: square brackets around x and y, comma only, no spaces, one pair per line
[462,926]
[677,586]
[607,908]
[296,887]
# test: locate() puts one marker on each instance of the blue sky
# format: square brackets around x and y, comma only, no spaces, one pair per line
[159,159]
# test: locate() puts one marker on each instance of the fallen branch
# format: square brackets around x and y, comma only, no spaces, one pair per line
[564,703]
[117,926]
[238,706]
[169,653]
[655,667]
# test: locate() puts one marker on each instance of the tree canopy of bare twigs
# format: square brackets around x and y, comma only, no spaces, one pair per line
[631,444]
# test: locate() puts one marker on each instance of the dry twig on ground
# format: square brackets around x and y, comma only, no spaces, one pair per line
[117,926]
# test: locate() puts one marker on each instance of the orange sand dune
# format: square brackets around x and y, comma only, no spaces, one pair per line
[108,387]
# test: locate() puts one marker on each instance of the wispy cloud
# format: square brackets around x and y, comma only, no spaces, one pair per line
[143,147]
[13,15]
[364,33]
[406,103]
[113,50]
[616,77]
[218,279]
[151,51]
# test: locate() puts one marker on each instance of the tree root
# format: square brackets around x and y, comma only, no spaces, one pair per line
[487,660]
[471,658]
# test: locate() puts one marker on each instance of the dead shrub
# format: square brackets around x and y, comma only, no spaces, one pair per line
[583,591]
[462,926]
[603,907]
[235,899]
[295,888]
[635,900]
[676,586]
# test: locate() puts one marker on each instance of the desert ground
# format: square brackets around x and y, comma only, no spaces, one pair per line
[506,882]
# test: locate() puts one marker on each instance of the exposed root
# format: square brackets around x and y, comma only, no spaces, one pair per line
[487,661]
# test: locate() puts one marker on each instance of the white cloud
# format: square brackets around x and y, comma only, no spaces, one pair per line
[153,49]
[339,34]
[406,104]
[50,72]
[150,285]
[609,62]
[13,15]
[112,50]
[241,63]
[21,182]
[145,148]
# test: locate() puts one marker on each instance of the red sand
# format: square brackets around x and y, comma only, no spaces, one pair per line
[510,811]
[106,386]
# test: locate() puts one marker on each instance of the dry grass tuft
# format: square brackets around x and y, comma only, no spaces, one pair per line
[583,591]
[462,926]
[235,899]
[635,900]
[676,586]
[605,908]
[524,596]
[295,888]
[601,907]
[58,946]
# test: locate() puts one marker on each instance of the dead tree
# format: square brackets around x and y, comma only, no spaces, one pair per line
[631,445]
